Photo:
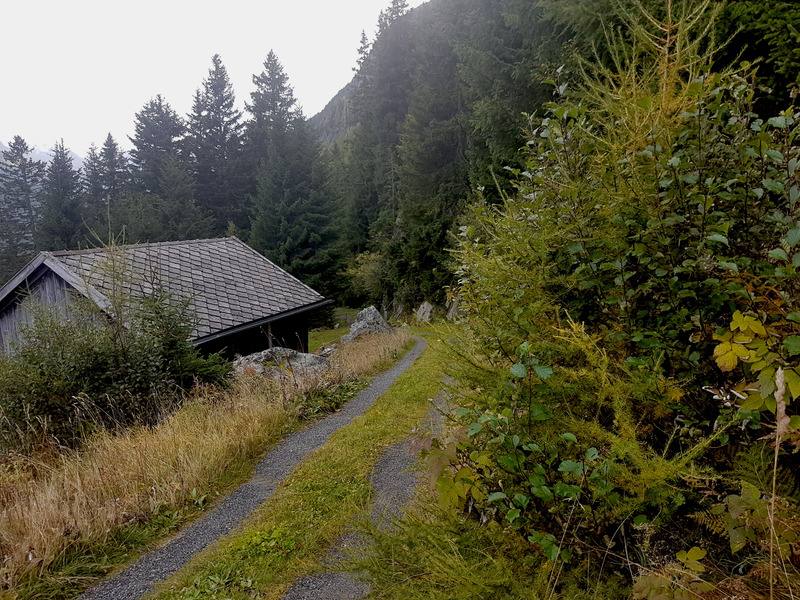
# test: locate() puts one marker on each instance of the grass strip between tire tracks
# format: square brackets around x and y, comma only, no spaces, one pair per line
[288,535]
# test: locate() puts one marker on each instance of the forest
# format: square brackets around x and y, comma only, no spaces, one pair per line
[609,190]
[362,200]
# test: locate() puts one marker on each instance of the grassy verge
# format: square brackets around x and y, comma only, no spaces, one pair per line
[291,532]
[323,337]
[70,518]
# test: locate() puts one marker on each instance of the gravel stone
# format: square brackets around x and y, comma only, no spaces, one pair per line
[138,579]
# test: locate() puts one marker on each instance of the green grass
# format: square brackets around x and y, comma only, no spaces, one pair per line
[289,534]
[322,337]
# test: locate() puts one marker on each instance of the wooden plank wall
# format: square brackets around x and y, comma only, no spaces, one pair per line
[50,289]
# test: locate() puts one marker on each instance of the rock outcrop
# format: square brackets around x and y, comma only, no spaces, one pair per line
[277,361]
[368,320]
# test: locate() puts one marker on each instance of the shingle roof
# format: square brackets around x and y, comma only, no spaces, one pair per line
[226,283]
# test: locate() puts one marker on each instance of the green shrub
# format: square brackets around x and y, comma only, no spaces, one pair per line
[68,376]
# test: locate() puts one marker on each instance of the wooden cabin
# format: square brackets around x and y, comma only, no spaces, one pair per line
[241,302]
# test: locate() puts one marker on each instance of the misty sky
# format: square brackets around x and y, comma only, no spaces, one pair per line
[80,69]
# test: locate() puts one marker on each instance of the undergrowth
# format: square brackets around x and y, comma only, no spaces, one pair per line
[71,516]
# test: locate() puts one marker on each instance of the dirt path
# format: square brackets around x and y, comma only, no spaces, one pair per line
[139,578]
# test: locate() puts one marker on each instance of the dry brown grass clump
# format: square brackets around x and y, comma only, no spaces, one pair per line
[53,502]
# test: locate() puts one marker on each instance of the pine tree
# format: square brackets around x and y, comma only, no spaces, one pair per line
[62,226]
[20,184]
[214,145]
[158,135]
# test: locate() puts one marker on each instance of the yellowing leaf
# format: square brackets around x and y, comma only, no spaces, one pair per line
[792,379]
[740,351]
[754,402]
[727,362]
[723,348]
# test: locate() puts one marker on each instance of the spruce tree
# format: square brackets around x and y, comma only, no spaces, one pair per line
[214,145]
[290,218]
[158,136]
[20,185]
[62,226]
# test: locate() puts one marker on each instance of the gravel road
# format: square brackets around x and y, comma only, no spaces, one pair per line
[138,579]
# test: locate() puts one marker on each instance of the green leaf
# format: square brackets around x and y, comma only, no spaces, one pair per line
[522,500]
[640,520]
[474,428]
[780,122]
[550,551]
[513,515]
[738,538]
[793,237]
[592,454]
[495,496]
[718,237]
[772,185]
[792,344]
[543,371]
[778,254]
[510,462]
[570,466]
[519,370]
[570,437]
[794,422]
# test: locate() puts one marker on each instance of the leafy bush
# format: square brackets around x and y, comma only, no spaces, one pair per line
[67,376]
[597,301]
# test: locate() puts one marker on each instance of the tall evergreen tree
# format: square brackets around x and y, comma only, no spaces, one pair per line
[290,218]
[397,8]
[158,136]
[62,226]
[114,171]
[214,144]
[20,185]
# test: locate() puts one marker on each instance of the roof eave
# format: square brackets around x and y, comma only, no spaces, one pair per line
[258,323]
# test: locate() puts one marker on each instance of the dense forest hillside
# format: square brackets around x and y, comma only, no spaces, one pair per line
[362,200]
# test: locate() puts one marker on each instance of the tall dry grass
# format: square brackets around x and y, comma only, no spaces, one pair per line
[54,502]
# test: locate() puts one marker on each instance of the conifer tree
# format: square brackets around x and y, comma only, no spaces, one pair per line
[290,218]
[158,135]
[62,226]
[20,185]
[214,148]
[114,171]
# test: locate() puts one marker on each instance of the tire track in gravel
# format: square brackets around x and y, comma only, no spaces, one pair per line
[138,579]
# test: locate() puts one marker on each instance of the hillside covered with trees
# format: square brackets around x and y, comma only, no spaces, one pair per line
[362,200]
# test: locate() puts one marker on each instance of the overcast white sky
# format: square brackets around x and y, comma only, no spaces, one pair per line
[80,69]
